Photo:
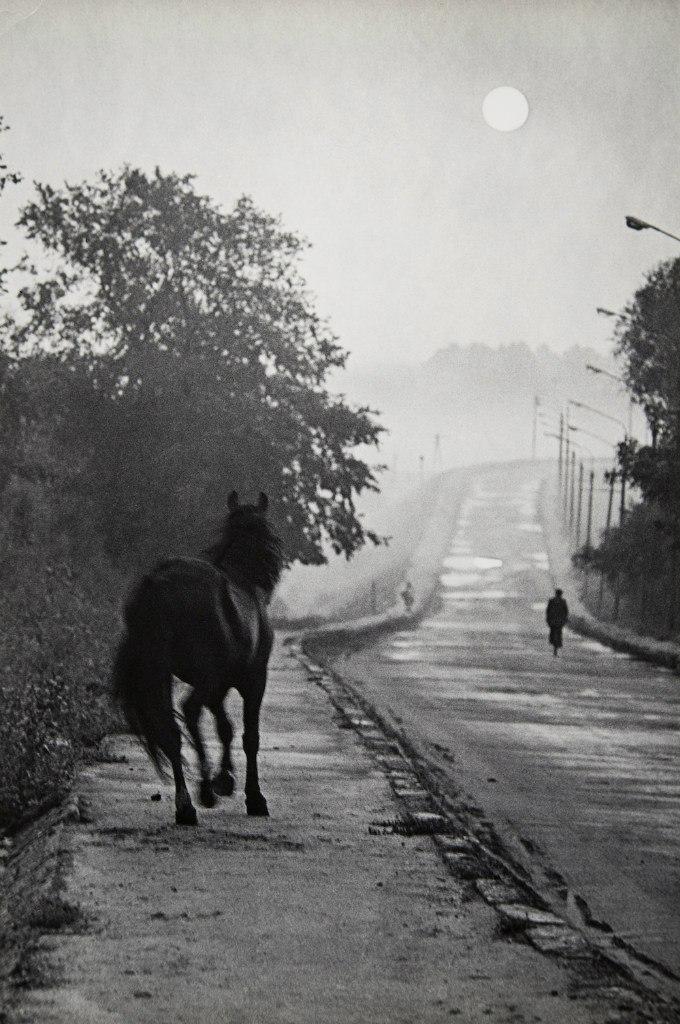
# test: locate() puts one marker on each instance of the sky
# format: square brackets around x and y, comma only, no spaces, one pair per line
[360,124]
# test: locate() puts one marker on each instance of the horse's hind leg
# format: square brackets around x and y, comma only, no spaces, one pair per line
[192,708]
[170,742]
[223,782]
[255,801]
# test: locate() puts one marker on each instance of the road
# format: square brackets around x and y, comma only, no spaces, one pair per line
[574,759]
[316,914]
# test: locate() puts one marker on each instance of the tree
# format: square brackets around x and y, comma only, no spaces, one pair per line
[7,177]
[648,341]
[191,360]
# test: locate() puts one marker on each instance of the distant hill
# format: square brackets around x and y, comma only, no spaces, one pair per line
[480,401]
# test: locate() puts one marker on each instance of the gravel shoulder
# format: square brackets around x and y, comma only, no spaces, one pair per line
[324,912]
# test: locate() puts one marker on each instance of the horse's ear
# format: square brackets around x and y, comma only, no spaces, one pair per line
[232,501]
[262,502]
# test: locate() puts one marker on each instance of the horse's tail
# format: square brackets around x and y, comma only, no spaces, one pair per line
[141,677]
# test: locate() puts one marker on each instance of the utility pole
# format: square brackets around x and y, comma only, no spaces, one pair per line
[589,520]
[566,459]
[610,505]
[537,402]
[572,488]
[559,455]
[421,463]
[589,524]
[580,500]
[437,462]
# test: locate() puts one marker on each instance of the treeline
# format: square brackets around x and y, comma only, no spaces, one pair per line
[640,558]
[160,353]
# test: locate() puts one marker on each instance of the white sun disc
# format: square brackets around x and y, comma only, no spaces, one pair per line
[505,109]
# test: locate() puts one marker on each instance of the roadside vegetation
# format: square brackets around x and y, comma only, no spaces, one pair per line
[157,353]
[640,558]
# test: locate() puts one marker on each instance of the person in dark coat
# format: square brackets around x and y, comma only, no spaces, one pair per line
[408,596]
[556,615]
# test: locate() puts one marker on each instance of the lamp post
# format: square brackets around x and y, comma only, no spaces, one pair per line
[640,225]
[575,503]
[614,419]
[613,376]
[598,412]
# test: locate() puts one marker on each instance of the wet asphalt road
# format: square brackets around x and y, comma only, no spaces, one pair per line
[575,758]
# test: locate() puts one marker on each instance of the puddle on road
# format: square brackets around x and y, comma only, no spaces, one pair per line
[459,579]
[530,528]
[471,563]
[478,595]
[471,626]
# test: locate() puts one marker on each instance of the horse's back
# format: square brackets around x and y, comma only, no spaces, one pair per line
[201,608]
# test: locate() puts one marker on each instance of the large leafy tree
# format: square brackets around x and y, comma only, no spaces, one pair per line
[645,552]
[187,359]
[648,340]
[7,177]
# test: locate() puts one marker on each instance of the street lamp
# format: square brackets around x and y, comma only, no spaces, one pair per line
[589,433]
[598,412]
[614,419]
[639,225]
[619,380]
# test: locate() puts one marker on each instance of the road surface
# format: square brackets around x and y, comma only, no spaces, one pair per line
[574,759]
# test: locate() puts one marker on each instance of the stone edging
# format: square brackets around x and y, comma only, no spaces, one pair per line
[471,853]
[33,865]
[424,570]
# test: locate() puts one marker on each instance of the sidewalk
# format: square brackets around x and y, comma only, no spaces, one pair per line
[322,913]
[560,549]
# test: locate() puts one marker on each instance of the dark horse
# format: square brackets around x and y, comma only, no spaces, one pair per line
[204,620]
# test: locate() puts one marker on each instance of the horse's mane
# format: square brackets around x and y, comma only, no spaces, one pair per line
[248,550]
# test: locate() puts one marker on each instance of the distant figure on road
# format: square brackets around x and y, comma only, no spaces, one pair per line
[556,615]
[408,597]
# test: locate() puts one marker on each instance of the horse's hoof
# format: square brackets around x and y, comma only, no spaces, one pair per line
[187,816]
[206,794]
[223,784]
[257,805]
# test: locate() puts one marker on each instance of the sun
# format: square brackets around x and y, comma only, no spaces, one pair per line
[505,109]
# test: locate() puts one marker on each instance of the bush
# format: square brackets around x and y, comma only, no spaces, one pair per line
[59,614]
[638,564]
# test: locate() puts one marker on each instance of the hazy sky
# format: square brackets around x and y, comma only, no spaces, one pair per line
[361,125]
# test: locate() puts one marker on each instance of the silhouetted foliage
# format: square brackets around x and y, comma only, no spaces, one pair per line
[7,177]
[641,558]
[188,359]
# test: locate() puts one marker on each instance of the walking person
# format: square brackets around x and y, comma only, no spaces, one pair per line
[556,615]
[408,597]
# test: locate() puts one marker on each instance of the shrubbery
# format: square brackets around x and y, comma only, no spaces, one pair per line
[160,353]
[59,611]
[637,564]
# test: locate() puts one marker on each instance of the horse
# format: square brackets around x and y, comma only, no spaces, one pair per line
[204,620]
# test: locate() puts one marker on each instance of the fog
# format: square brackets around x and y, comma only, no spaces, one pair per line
[360,123]
[460,266]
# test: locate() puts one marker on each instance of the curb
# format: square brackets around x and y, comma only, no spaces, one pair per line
[472,854]
[425,568]
[33,865]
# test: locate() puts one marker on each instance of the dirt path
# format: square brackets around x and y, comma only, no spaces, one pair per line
[323,913]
